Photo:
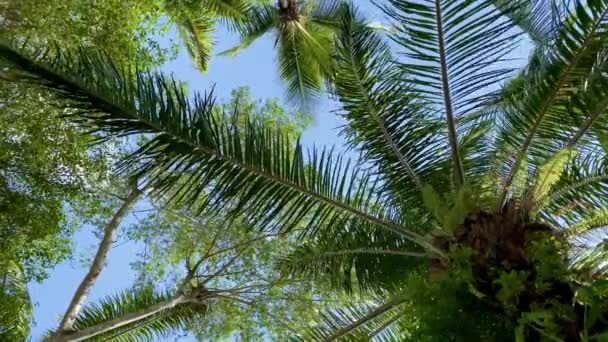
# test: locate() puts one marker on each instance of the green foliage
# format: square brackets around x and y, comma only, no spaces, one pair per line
[125,30]
[548,175]
[45,165]
[511,166]
[511,286]
[305,43]
[446,310]
[17,308]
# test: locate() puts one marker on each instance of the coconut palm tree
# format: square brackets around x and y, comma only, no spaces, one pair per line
[304,34]
[482,187]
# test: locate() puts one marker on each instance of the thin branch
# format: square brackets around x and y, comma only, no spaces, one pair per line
[222,268]
[98,262]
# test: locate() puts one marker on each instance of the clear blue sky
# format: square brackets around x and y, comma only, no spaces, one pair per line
[255,67]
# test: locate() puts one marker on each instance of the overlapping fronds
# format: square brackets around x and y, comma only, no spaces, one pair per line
[539,19]
[452,56]
[536,115]
[357,258]
[195,21]
[582,189]
[385,119]
[298,65]
[260,20]
[256,174]
[195,32]
[592,260]
[234,11]
[304,44]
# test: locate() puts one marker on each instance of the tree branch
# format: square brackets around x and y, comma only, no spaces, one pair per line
[98,262]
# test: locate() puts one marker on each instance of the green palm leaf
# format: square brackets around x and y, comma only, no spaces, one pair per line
[539,19]
[260,20]
[117,307]
[357,258]
[17,308]
[582,189]
[195,33]
[256,173]
[452,56]
[360,322]
[386,120]
[536,112]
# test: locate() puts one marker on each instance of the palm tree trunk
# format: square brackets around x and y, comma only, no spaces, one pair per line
[288,9]
[96,330]
[98,263]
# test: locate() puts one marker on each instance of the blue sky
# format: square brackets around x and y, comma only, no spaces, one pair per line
[254,67]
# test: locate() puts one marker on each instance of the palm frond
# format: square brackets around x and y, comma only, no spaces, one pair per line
[298,65]
[17,308]
[256,174]
[195,33]
[537,111]
[452,56]
[385,119]
[326,12]
[598,219]
[592,259]
[357,258]
[547,176]
[360,322]
[114,308]
[539,19]
[233,10]
[581,191]
[260,20]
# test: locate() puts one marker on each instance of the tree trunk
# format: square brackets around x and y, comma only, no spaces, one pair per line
[96,330]
[98,263]
[288,10]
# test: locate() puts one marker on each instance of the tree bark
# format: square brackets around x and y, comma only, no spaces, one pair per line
[96,330]
[98,263]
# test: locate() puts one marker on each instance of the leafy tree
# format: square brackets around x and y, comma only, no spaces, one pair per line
[489,182]
[125,30]
[48,170]
[237,269]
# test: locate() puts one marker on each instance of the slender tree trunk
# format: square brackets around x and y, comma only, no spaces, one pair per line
[98,263]
[96,330]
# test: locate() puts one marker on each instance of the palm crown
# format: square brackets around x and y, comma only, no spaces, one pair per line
[464,157]
[305,34]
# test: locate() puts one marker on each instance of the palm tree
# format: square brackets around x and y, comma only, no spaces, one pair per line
[483,188]
[304,36]
[139,314]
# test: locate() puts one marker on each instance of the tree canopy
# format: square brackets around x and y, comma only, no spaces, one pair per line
[477,210]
